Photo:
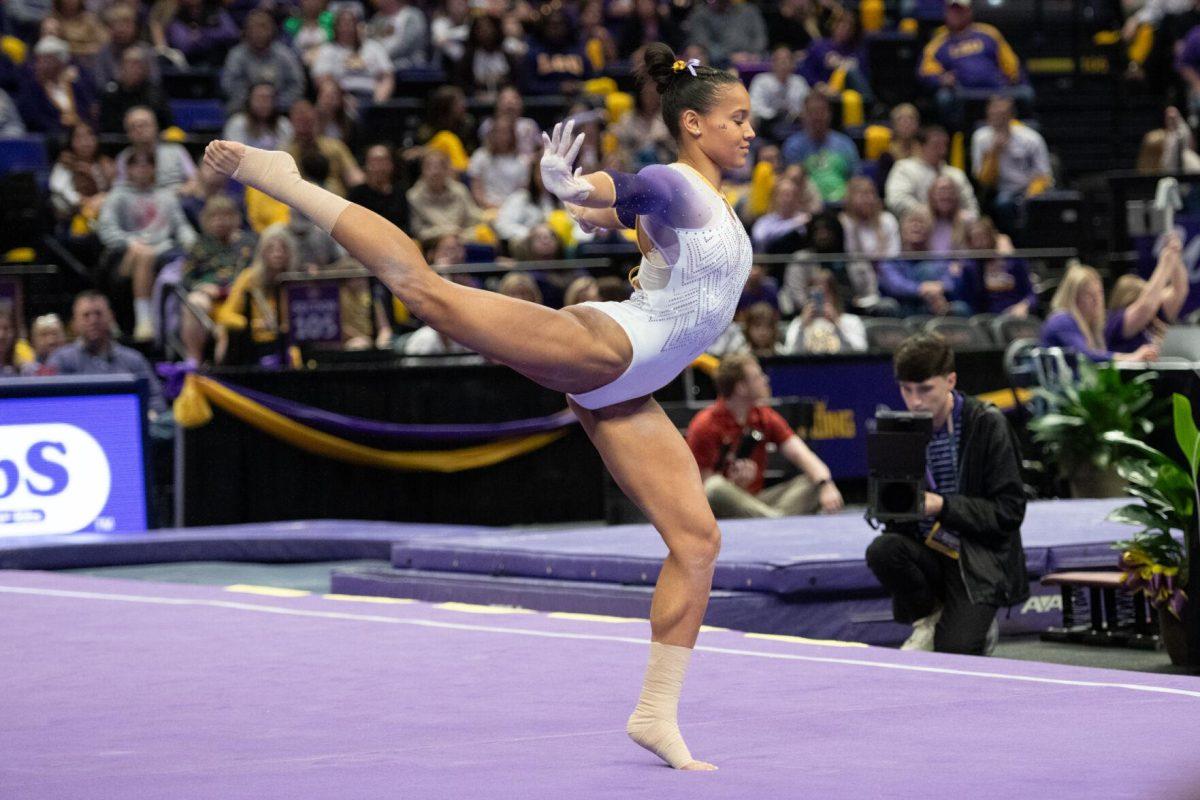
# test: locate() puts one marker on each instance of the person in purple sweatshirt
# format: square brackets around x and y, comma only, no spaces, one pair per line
[1001,285]
[203,31]
[844,51]
[1139,311]
[1077,321]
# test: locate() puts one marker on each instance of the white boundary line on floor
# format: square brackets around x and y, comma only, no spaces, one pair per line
[459,626]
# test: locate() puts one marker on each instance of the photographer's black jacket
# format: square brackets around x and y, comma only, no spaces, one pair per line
[989,508]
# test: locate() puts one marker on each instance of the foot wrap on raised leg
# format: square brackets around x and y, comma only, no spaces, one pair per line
[653,723]
[274,173]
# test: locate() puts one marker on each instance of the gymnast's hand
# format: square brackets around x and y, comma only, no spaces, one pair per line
[557,157]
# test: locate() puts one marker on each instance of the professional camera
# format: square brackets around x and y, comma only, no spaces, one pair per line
[896,465]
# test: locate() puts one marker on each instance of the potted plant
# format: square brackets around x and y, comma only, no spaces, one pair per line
[1157,560]
[1078,417]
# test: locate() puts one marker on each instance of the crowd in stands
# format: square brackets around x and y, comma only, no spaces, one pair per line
[870,196]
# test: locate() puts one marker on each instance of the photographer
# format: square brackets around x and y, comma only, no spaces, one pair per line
[729,440]
[950,572]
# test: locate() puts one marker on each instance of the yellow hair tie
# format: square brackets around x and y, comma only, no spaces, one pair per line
[690,65]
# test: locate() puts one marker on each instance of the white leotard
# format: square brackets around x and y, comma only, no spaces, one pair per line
[691,279]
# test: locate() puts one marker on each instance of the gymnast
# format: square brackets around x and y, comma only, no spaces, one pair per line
[607,357]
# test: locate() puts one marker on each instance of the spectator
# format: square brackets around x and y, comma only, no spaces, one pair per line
[650,21]
[448,126]
[173,166]
[497,170]
[52,98]
[729,441]
[527,208]
[1171,148]
[929,286]
[260,124]
[121,32]
[829,157]
[223,250]
[24,18]
[906,123]
[209,184]
[80,29]
[598,42]
[968,55]
[142,227]
[909,181]
[95,352]
[613,289]
[202,31]
[760,288]
[582,290]
[781,229]
[251,311]
[360,66]
[760,321]
[437,203]
[133,87]
[1139,311]
[825,236]
[336,113]
[556,62]
[309,29]
[47,335]
[520,286]
[822,325]
[343,171]
[949,217]
[487,64]
[1010,159]
[777,97]
[11,124]
[839,62]
[872,232]
[403,31]
[380,192]
[796,23]
[11,366]
[1187,64]
[642,136]
[80,180]
[1004,285]
[732,33]
[316,250]
[448,32]
[1076,322]
[950,572]
[510,105]
[259,58]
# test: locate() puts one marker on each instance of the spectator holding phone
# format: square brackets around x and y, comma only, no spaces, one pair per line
[729,440]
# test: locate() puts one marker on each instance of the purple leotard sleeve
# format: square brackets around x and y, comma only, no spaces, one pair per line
[661,192]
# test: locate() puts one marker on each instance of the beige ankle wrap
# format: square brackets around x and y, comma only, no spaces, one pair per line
[653,723]
[274,173]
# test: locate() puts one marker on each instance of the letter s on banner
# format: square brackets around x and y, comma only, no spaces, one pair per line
[54,478]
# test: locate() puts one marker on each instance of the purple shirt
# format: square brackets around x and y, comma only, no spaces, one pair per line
[1114,336]
[1002,289]
[1189,52]
[825,56]
[1061,330]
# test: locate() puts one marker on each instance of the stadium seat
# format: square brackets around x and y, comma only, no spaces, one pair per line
[959,333]
[24,154]
[198,116]
[916,322]
[885,334]
[1006,329]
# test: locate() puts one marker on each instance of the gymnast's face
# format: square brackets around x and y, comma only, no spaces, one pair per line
[725,133]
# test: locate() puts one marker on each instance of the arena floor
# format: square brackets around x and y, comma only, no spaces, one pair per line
[133,689]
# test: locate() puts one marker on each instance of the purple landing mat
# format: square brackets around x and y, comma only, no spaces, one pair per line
[844,617]
[312,540]
[793,555]
[133,690]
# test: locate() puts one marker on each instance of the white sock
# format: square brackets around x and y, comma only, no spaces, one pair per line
[653,723]
[141,313]
[274,173]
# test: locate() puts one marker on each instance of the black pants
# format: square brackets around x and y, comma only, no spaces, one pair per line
[918,579]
